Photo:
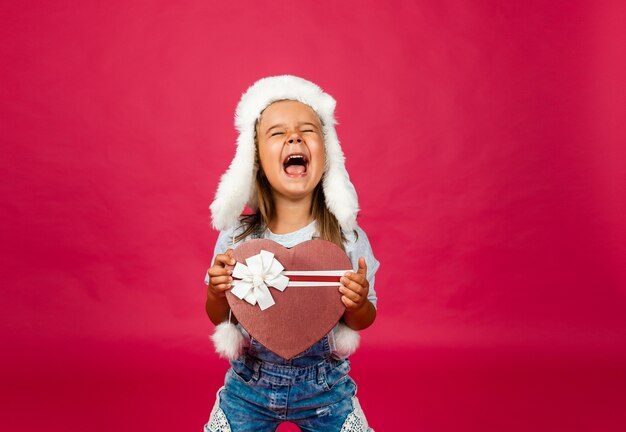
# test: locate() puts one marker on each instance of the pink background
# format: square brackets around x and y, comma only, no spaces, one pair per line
[486,141]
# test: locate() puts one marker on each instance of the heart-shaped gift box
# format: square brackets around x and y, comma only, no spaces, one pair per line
[305,308]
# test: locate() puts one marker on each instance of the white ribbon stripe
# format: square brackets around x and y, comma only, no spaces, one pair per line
[337,273]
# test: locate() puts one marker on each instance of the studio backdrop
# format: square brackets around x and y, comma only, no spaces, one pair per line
[486,143]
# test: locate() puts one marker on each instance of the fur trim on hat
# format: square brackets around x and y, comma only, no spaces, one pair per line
[237,186]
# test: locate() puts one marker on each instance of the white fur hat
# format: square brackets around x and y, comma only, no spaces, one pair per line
[237,186]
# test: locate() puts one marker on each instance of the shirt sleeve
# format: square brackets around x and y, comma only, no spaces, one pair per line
[359,246]
[223,243]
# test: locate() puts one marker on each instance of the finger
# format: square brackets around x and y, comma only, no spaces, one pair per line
[349,304]
[232,261]
[225,259]
[219,290]
[222,287]
[220,260]
[355,277]
[353,286]
[354,296]
[362,270]
[218,271]
[217,280]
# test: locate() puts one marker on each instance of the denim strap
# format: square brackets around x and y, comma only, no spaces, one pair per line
[257,234]
[321,372]
[256,370]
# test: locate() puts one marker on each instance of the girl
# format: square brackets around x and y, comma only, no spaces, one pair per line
[289,169]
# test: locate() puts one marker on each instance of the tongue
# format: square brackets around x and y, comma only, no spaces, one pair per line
[295,169]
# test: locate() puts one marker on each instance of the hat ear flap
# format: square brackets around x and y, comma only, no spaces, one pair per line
[341,196]
[237,185]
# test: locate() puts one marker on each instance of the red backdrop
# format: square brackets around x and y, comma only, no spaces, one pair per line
[485,139]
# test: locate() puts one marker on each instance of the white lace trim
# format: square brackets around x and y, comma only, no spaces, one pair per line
[356,421]
[217,421]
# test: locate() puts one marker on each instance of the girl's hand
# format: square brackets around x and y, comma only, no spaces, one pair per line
[355,287]
[220,278]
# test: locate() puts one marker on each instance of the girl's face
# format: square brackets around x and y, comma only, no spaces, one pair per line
[291,148]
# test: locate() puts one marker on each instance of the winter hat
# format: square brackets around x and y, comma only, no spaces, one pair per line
[237,187]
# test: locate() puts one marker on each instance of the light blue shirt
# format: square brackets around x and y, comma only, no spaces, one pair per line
[354,247]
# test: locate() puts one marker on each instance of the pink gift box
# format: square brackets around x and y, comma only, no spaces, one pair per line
[308,307]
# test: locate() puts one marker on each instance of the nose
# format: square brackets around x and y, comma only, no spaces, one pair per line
[294,138]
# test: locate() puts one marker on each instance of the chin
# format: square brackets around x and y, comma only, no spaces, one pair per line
[296,195]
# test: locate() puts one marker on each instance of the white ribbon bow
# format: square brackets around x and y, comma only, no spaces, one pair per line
[263,270]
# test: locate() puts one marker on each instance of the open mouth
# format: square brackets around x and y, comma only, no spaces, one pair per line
[295,164]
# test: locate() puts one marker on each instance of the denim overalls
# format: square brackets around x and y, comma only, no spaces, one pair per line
[312,390]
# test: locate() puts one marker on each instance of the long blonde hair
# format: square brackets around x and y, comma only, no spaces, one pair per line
[326,222]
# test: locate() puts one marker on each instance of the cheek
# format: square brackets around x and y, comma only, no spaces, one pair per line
[266,155]
[319,154]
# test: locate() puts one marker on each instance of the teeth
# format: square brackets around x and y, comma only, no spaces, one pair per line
[294,157]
